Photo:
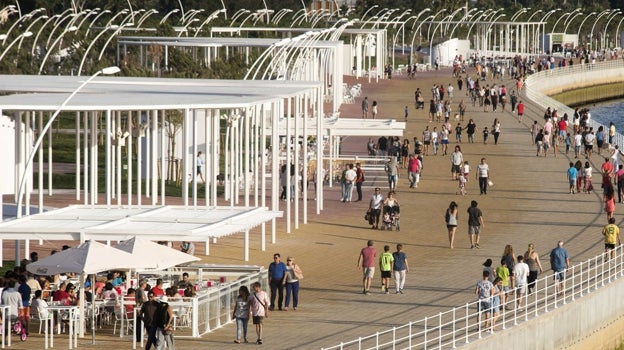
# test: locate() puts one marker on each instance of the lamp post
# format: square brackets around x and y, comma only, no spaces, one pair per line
[15,24]
[211,17]
[84,57]
[95,20]
[618,36]
[543,20]
[463,19]
[568,21]
[367,11]
[164,19]
[591,34]
[32,50]
[566,16]
[58,25]
[185,27]
[50,49]
[19,46]
[610,18]
[191,14]
[280,14]
[145,16]
[19,37]
[518,13]
[117,31]
[27,166]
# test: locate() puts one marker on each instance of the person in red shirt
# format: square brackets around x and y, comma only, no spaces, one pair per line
[158,288]
[520,111]
[607,172]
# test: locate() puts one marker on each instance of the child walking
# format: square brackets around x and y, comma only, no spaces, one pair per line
[386,261]
[486,133]
[462,184]
[241,314]
[259,305]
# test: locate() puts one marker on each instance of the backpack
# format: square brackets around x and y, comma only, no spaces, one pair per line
[447,217]
[387,168]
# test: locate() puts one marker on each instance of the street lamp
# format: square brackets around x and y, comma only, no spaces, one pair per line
[617,33]
[534,13]
[117,31]
[19,37]
[185,28]
[367,11]
[280,14]
[145,17]
[27,166]
[591,34]
[583,22]
[610,18]
[50,49]
[28,29]
[164,19]
[212,16]
[95,20]
[568,21]
[32,50]
[518,13]
[84,57]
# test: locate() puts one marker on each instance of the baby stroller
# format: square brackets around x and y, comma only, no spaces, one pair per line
[391,218]
[19,329]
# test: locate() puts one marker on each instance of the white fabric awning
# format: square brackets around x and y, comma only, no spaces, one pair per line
[349,127]
[156,223]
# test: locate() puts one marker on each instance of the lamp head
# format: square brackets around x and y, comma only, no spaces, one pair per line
[110,70]
[3,36]
[27,34]
[72,29]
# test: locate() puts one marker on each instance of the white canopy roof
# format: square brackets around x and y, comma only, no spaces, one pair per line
[351,126]
[151,255]
[166,223]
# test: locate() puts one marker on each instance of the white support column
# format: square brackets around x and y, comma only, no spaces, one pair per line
[289,161]
[149,119]
[185,157]
[129,145]
[41,157]
[78,115]
[27,146]
[153,164]
[118,132]
[86,167]
[246,158]
[208,141]
[163,156]
[277,109]
[263,133]
[297,156]
[49,162]
[304,171]
[94,160]
[109,168]
[194,176]
[256,154]
[139,177]
[216,141]
[320,157]
[246,245]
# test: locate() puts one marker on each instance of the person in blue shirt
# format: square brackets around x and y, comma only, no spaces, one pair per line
[559,262]
[277,274]
[572,174]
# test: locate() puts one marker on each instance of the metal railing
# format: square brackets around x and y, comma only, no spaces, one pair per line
[546,80]
[464,324]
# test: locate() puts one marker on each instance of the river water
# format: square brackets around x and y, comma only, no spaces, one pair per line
[610,111]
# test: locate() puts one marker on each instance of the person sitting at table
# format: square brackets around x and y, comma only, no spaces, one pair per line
[117,278]
[189,292]
[60,295]
[39,307]
[71,292]
[110,297]
[129,302]
[158,288]
[171,294]
[184,282]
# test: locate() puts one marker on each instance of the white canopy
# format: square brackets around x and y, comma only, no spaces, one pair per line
[152,255]
[88,258]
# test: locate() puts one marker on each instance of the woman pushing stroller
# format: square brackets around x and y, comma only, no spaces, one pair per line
[391,213]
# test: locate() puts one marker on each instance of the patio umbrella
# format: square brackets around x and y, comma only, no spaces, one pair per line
[154,256]
[89,257]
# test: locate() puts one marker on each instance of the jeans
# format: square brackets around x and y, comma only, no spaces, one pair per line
[241,327]
[413,178]
[399,279]
[349,191]
[483,182]
[358,187]
[155,337]
[277,288]
[344,188]
[292,287]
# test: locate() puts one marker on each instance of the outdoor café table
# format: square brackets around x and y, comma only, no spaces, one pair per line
[6,309]
[72,310]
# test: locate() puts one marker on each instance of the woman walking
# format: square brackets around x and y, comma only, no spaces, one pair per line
[531,258]
[451,222]
[496,130]
[293,275]
[483,175]
[241,314]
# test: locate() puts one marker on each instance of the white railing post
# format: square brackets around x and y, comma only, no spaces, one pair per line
[426,333]
[588,278]
[410,335]
[454,329]
[440,331]
[546,292]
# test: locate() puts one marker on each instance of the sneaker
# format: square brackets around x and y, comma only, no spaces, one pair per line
[259,341]
[367,292]
[387,292]
[398,292]
[477,245]
[401,291]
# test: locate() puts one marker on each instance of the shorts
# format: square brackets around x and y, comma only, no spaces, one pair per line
[589,147]
[560,275]
[392,178]
[484,305]
[368,272]
[199,170]
[386,274]
[25,312]
[609,246]
[455,169]
[521,288]
[572,182]
[474,230]
[445,142]
[427,143]
[450,226]
[258,319]
[562,133]
[505,289]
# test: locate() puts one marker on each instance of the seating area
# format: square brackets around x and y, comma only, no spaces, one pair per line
[350,93]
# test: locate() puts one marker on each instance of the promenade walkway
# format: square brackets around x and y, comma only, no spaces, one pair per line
[529,203]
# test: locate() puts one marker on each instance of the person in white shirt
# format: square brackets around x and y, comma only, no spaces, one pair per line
[521,273]
[375,208]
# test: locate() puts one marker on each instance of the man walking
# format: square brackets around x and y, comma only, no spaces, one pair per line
[475,224]
[559,262]
[413,171]
[400,268]
[365,107]
[359,179]
[151,320]
[277,274]
[572,174]
[366,263]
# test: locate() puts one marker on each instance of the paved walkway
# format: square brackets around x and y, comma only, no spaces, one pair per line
[528,203]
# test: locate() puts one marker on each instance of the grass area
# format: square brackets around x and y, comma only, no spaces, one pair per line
[7,265]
